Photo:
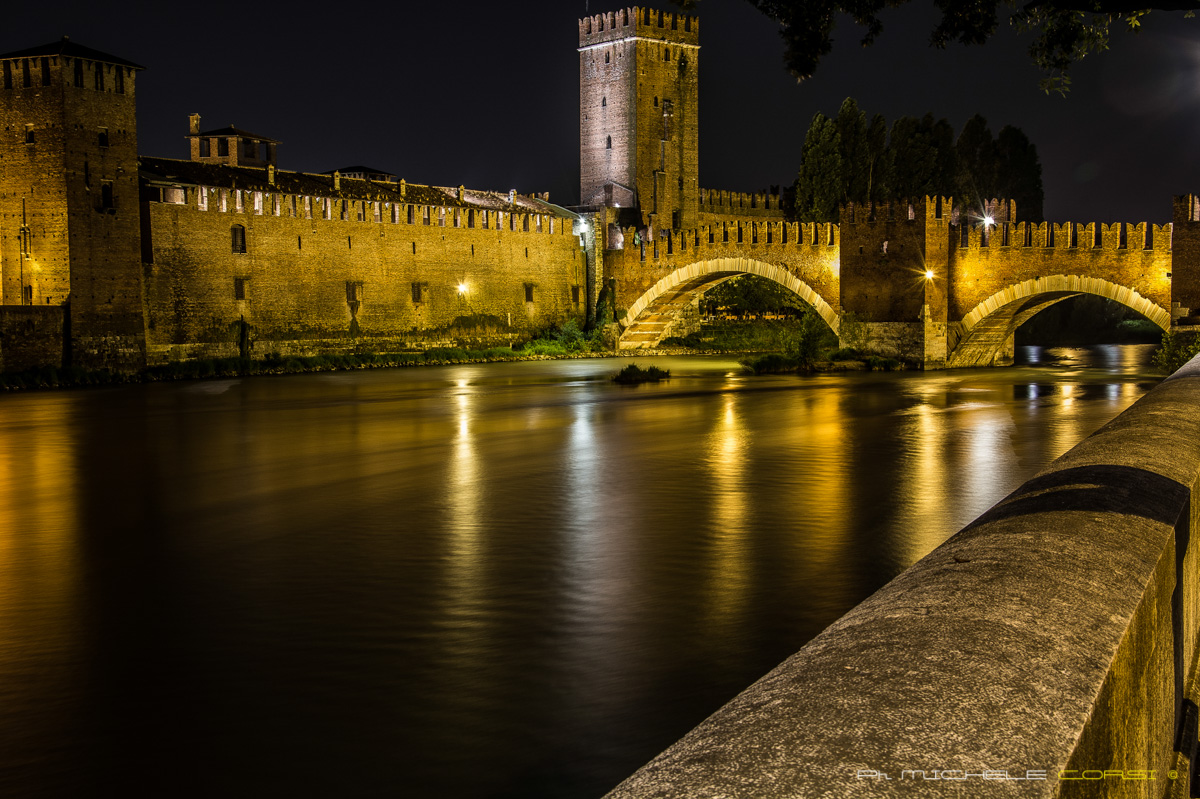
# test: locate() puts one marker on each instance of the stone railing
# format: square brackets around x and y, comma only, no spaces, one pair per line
[1047,649]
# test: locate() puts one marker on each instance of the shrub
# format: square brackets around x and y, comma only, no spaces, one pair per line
[632,374]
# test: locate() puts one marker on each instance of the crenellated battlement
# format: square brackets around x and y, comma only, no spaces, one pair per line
[634,21]
[715,201]
[721,238]
[1114,238]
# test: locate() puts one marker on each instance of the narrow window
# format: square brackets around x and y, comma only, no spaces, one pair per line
[349,245]
[205,150]
[202,198]
[525,223]
[528,292]
[606,58]
[106,195]
[410,214]
[308,207]
[471,218]
[1149,243]
[79,73]
[666,54]
[441,217]
[377,211]
[27,295]
[222,148]
[239,288]
[29,134]
[575,295]
[239,201]
[237,238]
[258,202]
[224,200]
[608,143]
[604,102]
[425,215]
[416,292]
[458,217]
[299,243]
[354,291]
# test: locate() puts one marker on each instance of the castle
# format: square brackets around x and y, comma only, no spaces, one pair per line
[111,259]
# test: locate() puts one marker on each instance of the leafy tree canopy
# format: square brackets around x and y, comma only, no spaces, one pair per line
[1064,31]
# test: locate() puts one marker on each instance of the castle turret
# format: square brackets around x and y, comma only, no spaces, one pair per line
[69,196]
[638,122]
[229,145]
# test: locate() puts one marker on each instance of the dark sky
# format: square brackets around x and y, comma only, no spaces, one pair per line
[486,94]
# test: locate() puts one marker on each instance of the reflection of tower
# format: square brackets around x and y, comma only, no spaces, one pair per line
[639,137]
[68,172]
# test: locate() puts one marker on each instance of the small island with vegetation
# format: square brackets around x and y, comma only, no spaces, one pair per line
[634,374]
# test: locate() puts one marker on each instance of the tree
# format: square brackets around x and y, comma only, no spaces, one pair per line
[819,184]
[852,147]
[1064,31]
[878,160]
[977,163]
[1020,173]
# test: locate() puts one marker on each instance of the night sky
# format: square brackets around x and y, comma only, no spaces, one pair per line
[486,94]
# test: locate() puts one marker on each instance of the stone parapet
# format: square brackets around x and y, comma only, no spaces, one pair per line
[1047,649]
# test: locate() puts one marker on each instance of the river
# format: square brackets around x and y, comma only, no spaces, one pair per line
[499,580]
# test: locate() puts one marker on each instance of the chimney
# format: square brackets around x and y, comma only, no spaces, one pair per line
[337,181]
[461,192]
[271,174]
[403,186]
[194,124]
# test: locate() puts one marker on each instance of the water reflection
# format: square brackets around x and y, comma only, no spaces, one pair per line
[517,579]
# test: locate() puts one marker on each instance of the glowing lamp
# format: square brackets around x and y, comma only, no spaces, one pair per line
[462,288]
[987,220]
[929,274]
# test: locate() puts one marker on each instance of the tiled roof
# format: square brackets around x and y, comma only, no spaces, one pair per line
[194,173]
[232,131]
[66,47]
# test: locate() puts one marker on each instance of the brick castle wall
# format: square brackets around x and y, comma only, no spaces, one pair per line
[369,279]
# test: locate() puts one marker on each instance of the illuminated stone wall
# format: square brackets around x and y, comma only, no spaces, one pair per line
[366,278]
[69,200]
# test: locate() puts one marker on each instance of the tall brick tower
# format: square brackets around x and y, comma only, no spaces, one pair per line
[638,123]
[70,226]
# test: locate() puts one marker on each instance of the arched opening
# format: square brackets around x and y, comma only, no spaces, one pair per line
[986,335]
[658,313]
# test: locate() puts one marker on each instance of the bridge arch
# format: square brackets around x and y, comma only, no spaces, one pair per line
[645,323]
[985,331]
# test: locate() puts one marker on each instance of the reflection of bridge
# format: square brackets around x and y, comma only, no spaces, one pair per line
[931,287]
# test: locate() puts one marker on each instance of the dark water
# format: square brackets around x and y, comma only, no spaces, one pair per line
[507,580]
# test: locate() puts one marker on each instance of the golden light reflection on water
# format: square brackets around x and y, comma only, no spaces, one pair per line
[464,486]
[725,459]
[923,485]
[40,605]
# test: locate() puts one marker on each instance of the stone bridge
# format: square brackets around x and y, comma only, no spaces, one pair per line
[945,288]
